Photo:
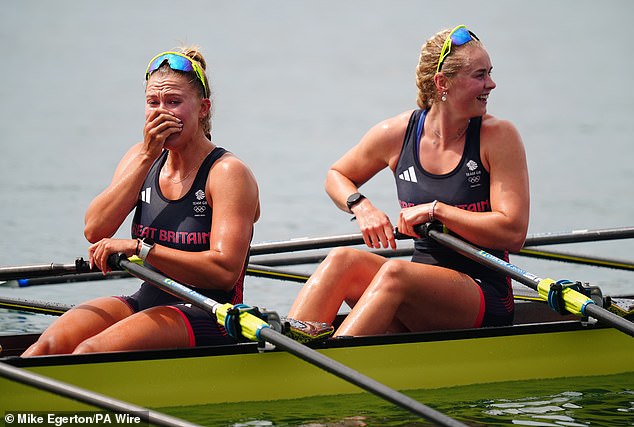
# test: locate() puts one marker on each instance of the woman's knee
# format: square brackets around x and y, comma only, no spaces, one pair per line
[342,257]
[337,265]
[351,263]
[391,275]
[50,344]
[87,346]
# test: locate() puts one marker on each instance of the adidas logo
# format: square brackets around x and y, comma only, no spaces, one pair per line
[145,195]
[408,175]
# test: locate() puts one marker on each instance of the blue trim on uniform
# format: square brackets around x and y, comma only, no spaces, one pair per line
[419,129]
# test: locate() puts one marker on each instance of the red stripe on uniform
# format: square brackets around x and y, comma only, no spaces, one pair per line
[190,330]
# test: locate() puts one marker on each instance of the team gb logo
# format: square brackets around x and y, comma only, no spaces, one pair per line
[472,165]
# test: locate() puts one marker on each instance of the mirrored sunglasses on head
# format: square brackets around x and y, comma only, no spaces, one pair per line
[457,37]
[179,62]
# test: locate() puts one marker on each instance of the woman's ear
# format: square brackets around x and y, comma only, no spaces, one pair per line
[204,108]
[441,82]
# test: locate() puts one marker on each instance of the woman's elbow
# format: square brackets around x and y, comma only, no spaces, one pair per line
[97,229]
[217,270]
[516,246]
[516,240]
[90,234]
[227,279]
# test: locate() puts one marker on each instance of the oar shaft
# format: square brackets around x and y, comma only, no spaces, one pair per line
[263,266]
[41,307]
[610,318]
[285,343]
[315,258]
[577,259]
[577,236]
[65,278]
[40,270]
[166,284]
[252,270]
[306,244]
[276,273]
[80,266]
[538,239]
[356,378]
[87,396]
[521,276]
[299,259]
[485,258]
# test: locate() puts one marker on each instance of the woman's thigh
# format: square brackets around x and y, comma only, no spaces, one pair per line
[435,297]
[342,277]
[154,328]
[78,324]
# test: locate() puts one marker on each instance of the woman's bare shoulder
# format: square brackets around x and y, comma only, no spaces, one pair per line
[394,126]
[231,169]
[500,139]
[387,135]
[497,126]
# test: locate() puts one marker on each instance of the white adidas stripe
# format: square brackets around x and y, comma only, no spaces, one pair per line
[408,175]
[145,195]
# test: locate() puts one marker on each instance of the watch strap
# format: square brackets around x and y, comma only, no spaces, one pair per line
[146,247]
[353,199]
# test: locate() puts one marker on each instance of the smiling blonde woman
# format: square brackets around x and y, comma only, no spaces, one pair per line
[452,163]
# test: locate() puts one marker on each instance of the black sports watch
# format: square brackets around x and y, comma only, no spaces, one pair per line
[353,199]
[146,246]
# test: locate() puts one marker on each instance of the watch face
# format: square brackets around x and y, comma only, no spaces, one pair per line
[353,199]
[148,241]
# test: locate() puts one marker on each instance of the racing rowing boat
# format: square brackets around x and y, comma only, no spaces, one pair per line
[541,345]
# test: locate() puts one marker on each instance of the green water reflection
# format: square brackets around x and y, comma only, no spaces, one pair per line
[579,401]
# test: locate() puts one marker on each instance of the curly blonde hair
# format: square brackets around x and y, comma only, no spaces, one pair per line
[428,62]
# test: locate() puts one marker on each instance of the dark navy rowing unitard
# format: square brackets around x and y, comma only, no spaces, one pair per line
[466,187]
[182,224]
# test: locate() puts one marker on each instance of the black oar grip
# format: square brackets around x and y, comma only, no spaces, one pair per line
[114,261]
[423,229]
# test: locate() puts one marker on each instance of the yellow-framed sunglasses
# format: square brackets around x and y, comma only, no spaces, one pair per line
[179,62]
[458,36]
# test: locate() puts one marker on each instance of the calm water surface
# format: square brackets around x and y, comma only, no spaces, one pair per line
[296,84]
[574,402]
